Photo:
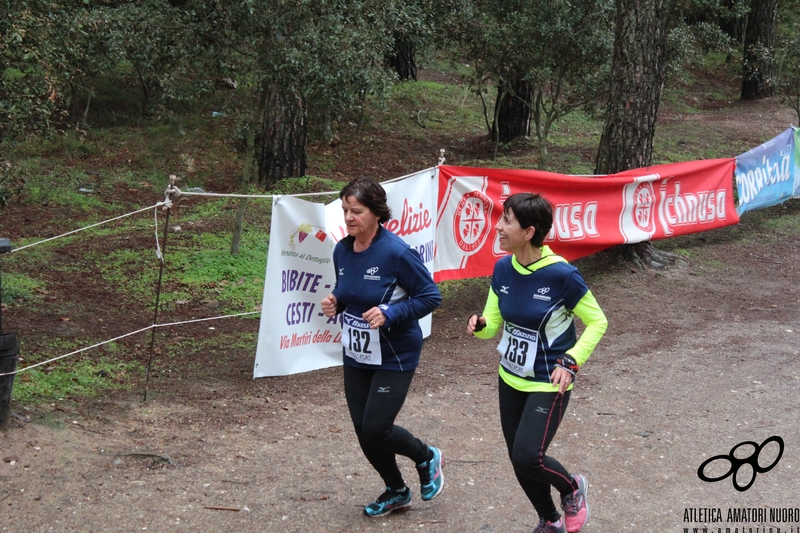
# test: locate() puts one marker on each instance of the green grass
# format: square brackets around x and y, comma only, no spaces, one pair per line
[193,349]
[436,106]
[85,378]
[784,225]
[453,289]
[691,140]
[236,281]
[442,62]
[132,271]
[18,287]
[198,266]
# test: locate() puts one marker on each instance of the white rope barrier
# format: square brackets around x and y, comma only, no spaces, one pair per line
[76,351]
[172,192]
[239,195]
[179,192]
[85,228]
[205,319]
[154,326]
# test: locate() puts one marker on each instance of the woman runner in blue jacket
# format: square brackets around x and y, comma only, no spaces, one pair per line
[382,290]
[532,300]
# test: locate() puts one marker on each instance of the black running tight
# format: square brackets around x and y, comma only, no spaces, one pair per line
[374,398]
[529,421]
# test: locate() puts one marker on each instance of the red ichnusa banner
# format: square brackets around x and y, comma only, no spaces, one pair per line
[591,213]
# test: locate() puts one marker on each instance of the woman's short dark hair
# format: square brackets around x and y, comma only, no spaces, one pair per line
[531,210]
[371,194]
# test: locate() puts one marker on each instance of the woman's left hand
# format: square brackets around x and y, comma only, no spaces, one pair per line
[375,317]
[329,304]
[561,378]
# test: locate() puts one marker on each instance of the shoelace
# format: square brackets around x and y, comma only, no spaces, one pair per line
[425,472]
[572,503]
[544,527]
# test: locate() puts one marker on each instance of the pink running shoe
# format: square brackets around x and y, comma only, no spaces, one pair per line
[576,508]
[546,526]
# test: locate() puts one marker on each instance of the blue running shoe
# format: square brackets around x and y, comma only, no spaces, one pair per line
[389,501]
[431,478]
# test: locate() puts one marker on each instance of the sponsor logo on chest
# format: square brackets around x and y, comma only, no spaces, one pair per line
[371,274]
[541,294]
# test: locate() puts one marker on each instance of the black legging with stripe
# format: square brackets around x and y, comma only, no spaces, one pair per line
[530,421]
[374,398]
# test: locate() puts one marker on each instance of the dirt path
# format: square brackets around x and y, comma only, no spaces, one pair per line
[696,360]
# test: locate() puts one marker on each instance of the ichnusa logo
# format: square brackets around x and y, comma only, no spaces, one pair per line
[652,201]
[736,463]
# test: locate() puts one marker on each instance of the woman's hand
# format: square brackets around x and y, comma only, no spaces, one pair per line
[375,317]
[561,378]
[329,305]
[475,323]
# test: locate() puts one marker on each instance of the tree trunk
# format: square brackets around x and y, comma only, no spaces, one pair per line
[543,121]
[361,111]
[759,50]
[637,79]
[85,117]
[147,91]
[247,173]
[513,110]
[732,23]
[282,144]
[403,58]
[493,135]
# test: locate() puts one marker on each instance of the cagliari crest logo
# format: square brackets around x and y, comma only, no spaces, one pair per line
[644,199]
[637,218]
[472,220]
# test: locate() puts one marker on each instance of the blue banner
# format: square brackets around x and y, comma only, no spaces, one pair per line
[765,175]
[796,167]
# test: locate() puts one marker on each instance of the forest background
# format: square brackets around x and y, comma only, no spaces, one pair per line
[103,101]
